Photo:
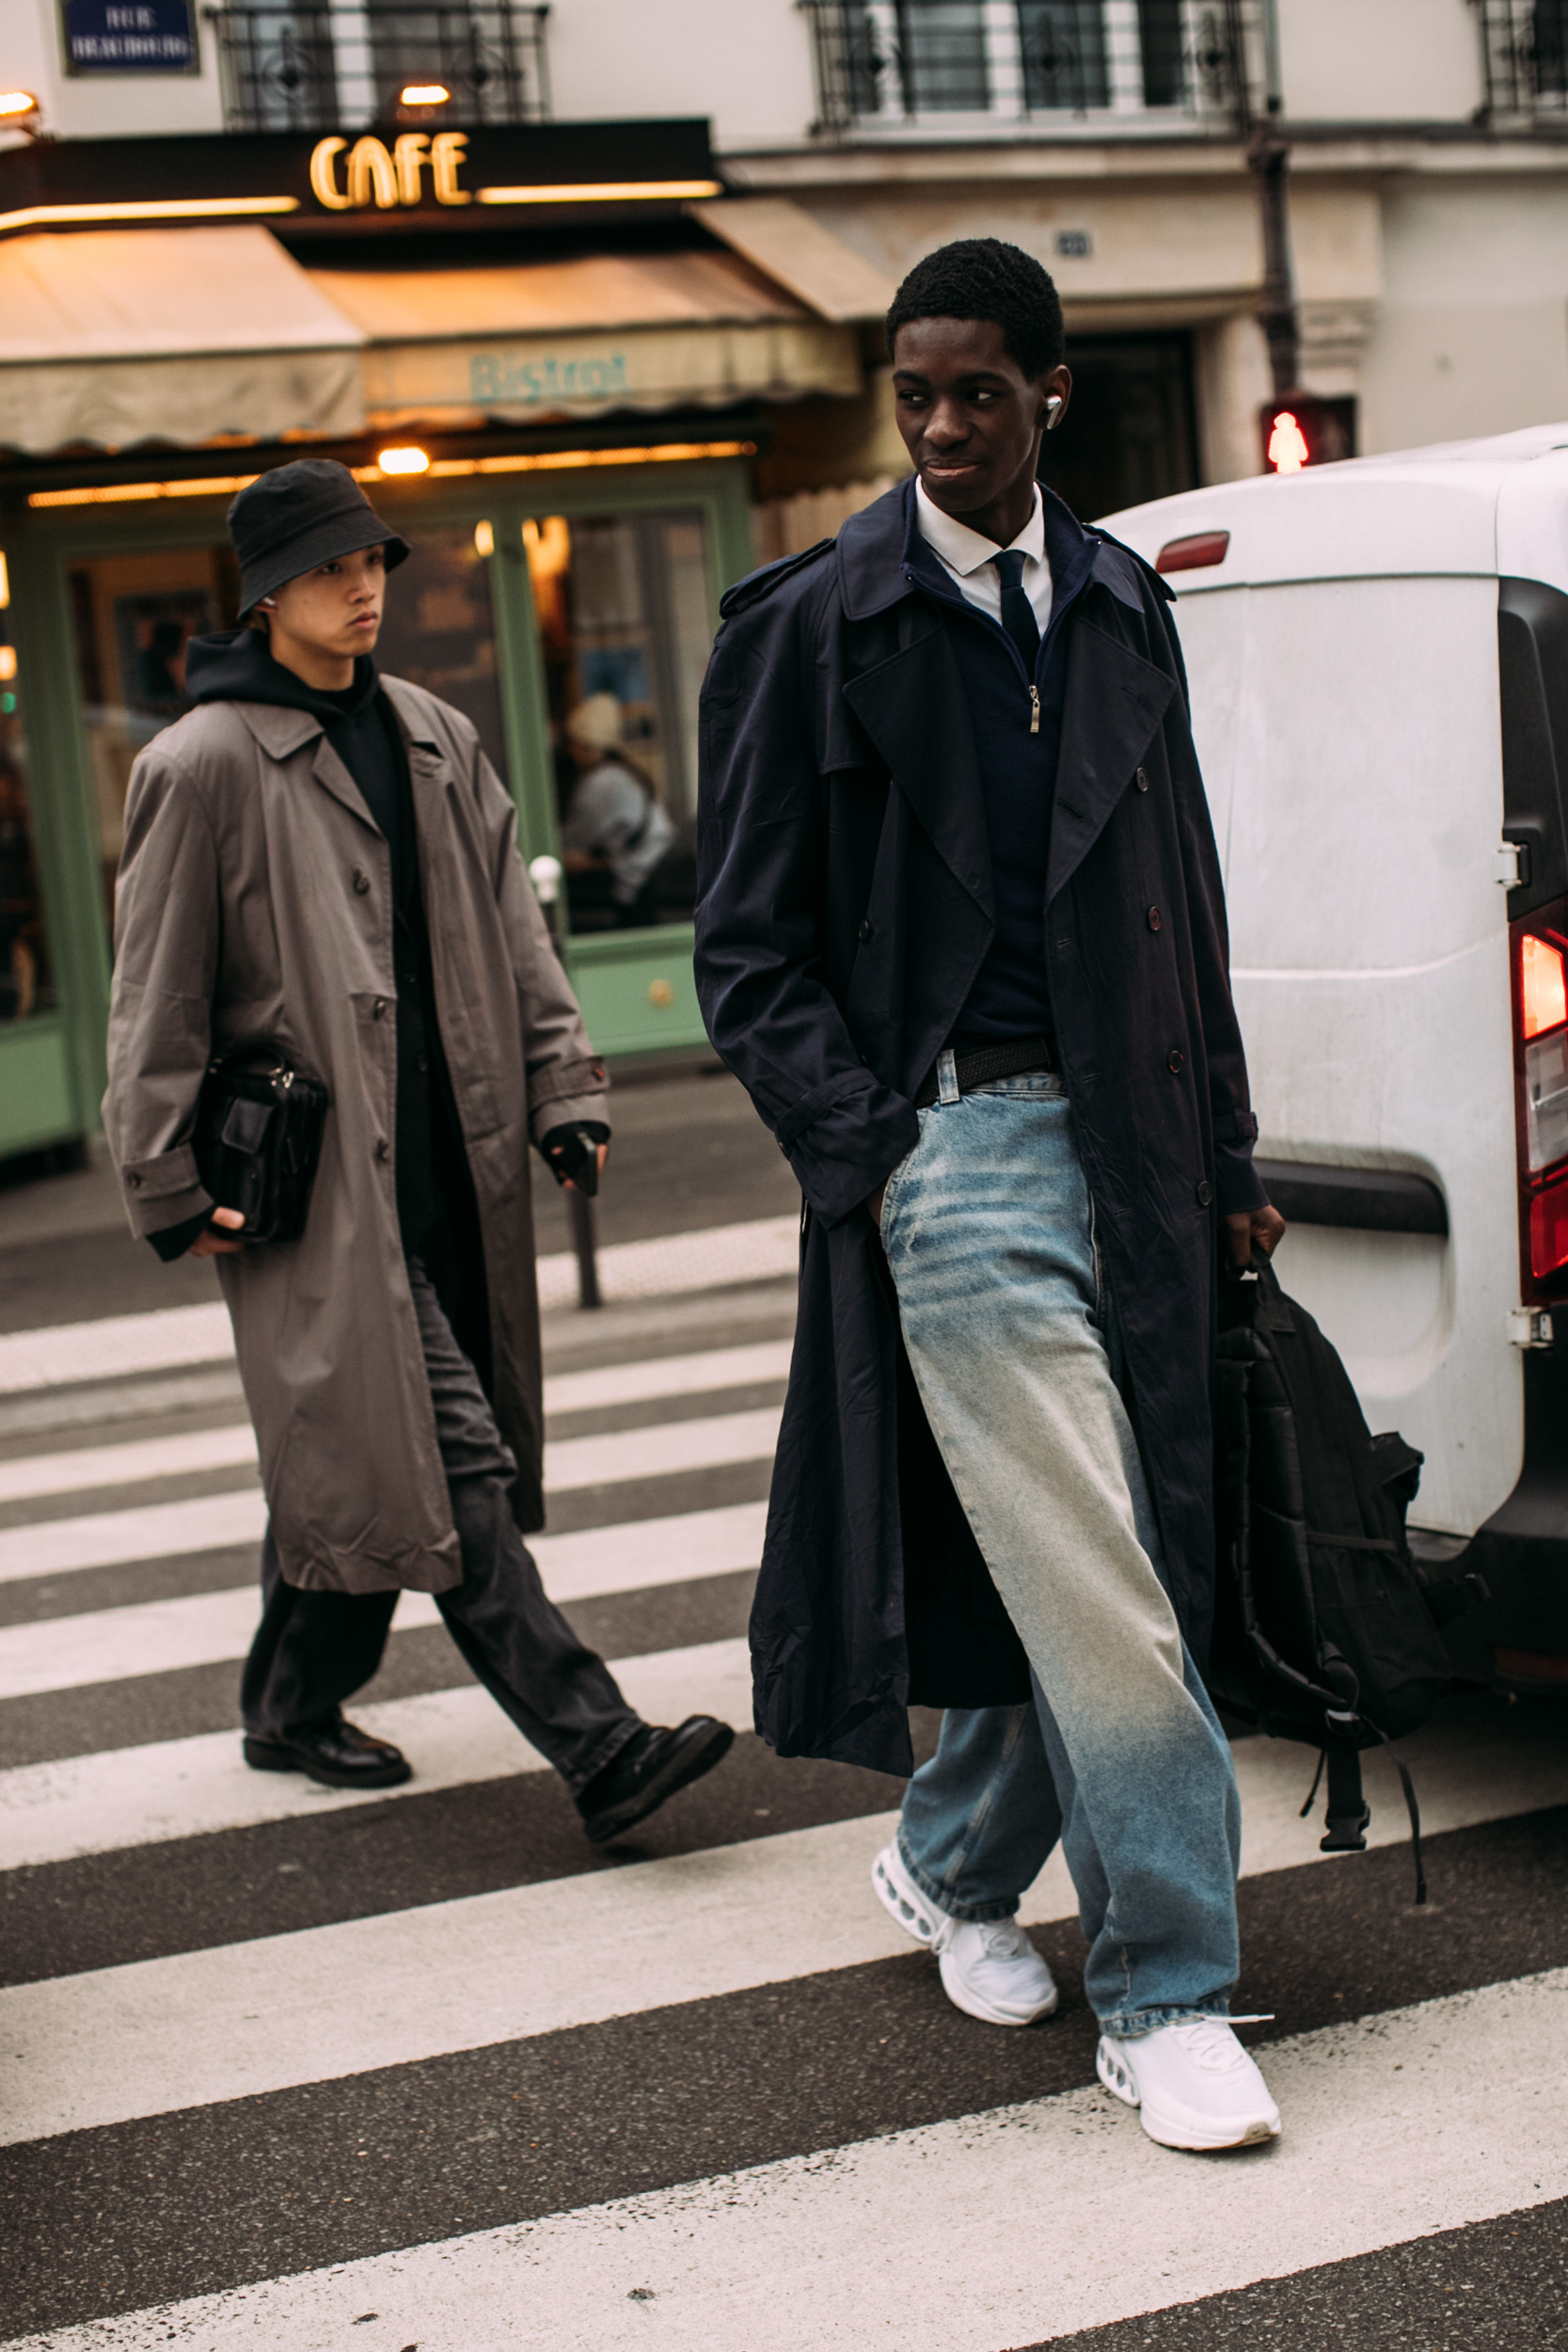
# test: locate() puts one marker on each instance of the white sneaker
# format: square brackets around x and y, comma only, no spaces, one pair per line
[1192,2083]
[990,1969]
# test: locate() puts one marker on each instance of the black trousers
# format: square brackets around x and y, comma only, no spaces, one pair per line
[313,1650]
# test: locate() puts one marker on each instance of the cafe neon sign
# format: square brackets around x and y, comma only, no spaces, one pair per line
[375,174]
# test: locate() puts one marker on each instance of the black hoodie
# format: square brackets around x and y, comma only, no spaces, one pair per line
[433,1192]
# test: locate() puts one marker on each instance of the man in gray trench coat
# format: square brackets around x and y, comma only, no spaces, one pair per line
[324,860]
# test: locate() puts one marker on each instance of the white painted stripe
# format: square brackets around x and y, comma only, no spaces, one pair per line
[191,1787]
[100,2048]
[111,1348]
[1013,2227]
[163,1531]
[761,1250]
[670,1446]
[666,1376]
[152,1530]
[72,1470]
[342,1999]
[207,1628]
[610,1455]
[58,1354]
[1467,1772]
[68,1473]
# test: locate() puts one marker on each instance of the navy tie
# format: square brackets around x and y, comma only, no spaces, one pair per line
[1017,613]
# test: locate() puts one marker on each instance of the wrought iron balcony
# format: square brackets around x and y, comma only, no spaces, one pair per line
[1525,47]
[1113,65]
[297,68]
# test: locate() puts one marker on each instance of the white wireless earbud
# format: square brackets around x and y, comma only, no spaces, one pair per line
[1054,412]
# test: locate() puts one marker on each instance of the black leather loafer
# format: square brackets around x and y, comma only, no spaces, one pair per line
[651,1767]
[338,1754]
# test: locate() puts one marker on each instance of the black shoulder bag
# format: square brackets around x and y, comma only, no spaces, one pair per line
[259,1125]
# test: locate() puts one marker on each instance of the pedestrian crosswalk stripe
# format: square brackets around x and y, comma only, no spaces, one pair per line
[669,1446]
[32,1476]
[80,2052]
[67,1652]
[1009,2227]
[68,1471]
[148,1530]
[649,1377]
[386,1990]
[1449,2123]
[193,1788]
[717,1256]
[213,1522]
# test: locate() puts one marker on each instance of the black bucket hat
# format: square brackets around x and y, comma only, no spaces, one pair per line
[299,515]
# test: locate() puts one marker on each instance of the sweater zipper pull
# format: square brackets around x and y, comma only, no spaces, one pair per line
[1033,710]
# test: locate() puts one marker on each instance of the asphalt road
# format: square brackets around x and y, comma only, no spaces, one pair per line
[425,2073]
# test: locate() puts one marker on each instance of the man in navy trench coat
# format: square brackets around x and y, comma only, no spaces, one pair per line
[960,933]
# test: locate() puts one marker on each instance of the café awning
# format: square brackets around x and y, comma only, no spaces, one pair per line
[118,338]
[585,337]
[115,339]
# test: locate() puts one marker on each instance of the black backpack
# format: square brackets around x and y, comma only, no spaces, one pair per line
[1324,1628]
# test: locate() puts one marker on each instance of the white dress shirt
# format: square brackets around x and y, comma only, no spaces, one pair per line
[967,557]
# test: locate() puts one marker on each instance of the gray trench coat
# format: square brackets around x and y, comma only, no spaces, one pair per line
[255,903]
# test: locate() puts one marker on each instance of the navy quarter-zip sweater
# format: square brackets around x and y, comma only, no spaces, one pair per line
[1011,995]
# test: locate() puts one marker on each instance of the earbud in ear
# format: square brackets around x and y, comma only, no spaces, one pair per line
[1054,412]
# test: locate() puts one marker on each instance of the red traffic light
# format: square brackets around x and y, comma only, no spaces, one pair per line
[1300,429]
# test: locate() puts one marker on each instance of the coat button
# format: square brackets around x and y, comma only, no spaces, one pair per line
[864,932]
[383,1148]
[361,880]
[378,1008]
[1142,781]
[1176,1062]
[1153,918]
[1205,1193]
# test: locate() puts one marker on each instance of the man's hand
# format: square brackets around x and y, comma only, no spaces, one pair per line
[1251,1229]
[211,1244]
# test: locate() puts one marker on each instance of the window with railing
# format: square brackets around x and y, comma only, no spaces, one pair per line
[1526,46]
[883,64]
[291,66]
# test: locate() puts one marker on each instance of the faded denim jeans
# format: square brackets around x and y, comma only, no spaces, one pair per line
[988,1230]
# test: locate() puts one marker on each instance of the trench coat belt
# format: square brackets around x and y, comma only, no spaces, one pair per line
[1006,1060]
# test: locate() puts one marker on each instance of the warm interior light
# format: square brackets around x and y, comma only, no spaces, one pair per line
[424,94]
[484,539]
[1543,986]
[4,583]
[1287,450]
[402,461]
[16,102]
[8,664]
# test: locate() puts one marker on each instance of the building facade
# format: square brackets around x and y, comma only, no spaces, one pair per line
[589,294]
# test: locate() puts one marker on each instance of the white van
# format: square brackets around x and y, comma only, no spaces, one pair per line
[1378,658]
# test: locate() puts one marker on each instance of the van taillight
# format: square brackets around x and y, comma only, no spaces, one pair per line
[1538,947]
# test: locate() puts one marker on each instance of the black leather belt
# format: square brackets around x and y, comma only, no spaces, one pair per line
[985,1062]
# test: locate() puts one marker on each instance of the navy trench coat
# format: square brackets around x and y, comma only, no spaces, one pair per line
[844,906]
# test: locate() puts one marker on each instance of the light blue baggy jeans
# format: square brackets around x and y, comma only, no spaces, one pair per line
[988,1228]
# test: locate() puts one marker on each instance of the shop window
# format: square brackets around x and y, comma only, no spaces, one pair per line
[135,616]
[438,631]
[26,979]
[626,626]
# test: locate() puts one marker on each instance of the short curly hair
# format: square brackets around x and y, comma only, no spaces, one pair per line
[980,277]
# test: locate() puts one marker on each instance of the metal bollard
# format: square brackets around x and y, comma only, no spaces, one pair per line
[544,873]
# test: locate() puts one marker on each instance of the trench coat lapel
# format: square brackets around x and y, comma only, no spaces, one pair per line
[330,773]
[915,711]
[1112,712]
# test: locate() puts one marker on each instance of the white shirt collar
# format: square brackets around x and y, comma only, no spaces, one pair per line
[964,550]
